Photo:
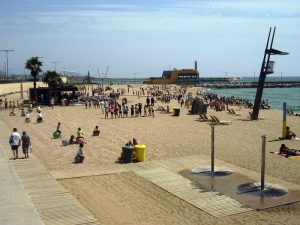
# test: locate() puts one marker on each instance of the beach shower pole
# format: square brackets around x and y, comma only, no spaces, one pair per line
[21,87]
[263,159]
[212,149]
[284,121]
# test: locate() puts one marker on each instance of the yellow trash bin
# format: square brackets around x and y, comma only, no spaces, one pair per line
[140,152]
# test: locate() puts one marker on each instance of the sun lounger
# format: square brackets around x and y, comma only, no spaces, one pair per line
[204,118]
[234,113]
[219,122]
[230,111]
[291,112]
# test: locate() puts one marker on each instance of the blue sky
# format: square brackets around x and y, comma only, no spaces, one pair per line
[146,37]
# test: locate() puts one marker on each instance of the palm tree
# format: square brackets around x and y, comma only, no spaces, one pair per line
[53,79]
[34,65]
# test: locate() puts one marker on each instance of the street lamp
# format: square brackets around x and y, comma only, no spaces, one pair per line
[6,51]
[55,65]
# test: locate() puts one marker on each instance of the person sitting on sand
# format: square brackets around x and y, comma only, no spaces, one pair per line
[27,118]
[135,142]
[96,131]
[72,140]
[58,129]
[23,113]
[80,136]
[129,143]
[39,118]
[13,112]
[289,133]
[80,133]
[79,158]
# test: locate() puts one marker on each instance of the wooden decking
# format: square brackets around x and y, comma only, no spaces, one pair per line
[54,203]
[163,173]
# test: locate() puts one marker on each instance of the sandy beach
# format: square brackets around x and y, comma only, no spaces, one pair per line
[125,198]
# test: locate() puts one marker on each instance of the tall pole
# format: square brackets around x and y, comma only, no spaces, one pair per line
[263,159]
[55,65]
[6,51]
[284,121]
[21,89]
[261,83]
[212,149]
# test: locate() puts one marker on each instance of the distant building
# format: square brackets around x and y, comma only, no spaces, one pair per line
[184,76]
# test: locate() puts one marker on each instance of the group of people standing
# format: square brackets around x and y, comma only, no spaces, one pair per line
[16,140]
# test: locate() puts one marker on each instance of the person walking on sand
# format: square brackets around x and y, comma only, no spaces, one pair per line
[15,141]
[25,144]
[52,103]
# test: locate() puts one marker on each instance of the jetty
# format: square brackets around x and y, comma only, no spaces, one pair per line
[222,85]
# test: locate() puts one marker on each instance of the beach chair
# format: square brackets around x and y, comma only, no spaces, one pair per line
[220,122]
[204,118]
[230,111]
[234,113]
[201,117]
[213,119]
[294,113]
[289,112]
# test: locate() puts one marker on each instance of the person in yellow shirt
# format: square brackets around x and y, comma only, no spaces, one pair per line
[80,133]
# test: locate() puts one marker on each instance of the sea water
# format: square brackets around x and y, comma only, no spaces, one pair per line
[274,96]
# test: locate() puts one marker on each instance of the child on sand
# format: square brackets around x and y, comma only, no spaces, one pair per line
[79,158]
[27,117]
[39,118]
[58,129]
[96,131]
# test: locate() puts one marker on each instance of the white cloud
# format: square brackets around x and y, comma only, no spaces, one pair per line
[243,7]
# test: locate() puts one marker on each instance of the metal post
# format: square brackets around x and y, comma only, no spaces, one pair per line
[212,148]
[284,121]
[55,65]
[6,51]
[263,157]
[21,89]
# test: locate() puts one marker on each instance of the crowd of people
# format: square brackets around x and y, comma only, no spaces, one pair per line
[220,103]
[112,107]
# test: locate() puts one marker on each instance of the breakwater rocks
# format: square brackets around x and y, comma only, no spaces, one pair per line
[250,85]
